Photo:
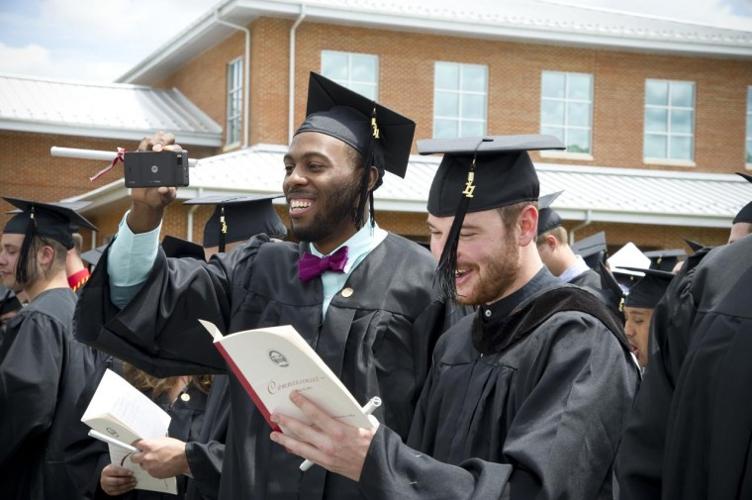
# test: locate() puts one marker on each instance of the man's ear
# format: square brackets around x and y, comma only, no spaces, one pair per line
[552,242]
[46,256]
[528,225]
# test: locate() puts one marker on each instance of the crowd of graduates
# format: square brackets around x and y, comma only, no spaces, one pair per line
[510,363]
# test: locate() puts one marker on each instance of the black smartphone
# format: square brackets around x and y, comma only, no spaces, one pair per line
[154,169]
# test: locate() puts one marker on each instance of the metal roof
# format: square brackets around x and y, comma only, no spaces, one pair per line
[118,111]
[590,193]
[537,21]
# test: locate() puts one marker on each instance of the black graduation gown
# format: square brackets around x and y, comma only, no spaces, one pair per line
[690,433]
[206,454]
[588,279]
[535,410]
[378,340]
[46,381]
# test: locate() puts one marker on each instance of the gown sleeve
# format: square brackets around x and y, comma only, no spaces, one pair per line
[158,330]
[561,442]
[31,363]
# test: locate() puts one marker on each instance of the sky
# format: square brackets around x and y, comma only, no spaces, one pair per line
[99,40]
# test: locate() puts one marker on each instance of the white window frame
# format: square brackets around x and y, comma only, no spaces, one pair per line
[233,121]
[569,154]
[748,135]
[459,119]
[348,82]
[668,107]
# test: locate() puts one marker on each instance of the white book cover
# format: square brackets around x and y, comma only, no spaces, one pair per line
[124,413]
[272,362]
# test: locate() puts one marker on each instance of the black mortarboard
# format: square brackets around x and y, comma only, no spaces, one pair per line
[50,220]
[547,216]
[178,248]
[237,218]
[648,290]
[383,137]
[665,260]
[611,292]
[376,132]
[592,249]
[92,256]
[479,174]
[745,214]
[694,245]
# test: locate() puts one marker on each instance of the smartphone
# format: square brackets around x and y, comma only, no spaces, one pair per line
[154,169]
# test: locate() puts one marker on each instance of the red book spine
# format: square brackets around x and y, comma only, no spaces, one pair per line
[247,386]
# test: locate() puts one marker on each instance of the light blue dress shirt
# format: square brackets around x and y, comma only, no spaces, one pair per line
[359,246]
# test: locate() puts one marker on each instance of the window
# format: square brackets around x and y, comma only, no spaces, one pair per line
[234,100]
[357,72]
[459,100]
[749,125]
[567,109]
[669,120]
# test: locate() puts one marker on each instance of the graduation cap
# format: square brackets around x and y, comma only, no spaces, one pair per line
[592,249]
[665,260]
[179,248]
[478,174]
[237,218]
[382,136]
[611,291]
[92,256]
[648,290]
[628,256]
[694,245]
[49,220]
[745,214]
[547,216]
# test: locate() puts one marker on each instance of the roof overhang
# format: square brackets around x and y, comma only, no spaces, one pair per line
[207,32]
[37,127]
[247,172]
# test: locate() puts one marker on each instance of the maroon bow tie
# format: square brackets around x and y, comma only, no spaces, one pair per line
[310,266]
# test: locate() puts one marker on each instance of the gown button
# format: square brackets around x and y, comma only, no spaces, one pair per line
[487,312]
[347,292]
[185,397]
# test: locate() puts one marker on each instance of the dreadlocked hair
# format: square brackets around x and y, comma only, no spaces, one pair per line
[366,195]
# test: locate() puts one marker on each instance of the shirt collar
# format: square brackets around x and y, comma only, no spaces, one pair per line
[574,270]
[359,243]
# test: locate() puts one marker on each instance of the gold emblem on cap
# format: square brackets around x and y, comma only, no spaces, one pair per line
[346,292]
[185,397]
[469,186]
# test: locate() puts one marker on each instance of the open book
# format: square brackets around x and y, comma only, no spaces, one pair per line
[272,362]
[125,414]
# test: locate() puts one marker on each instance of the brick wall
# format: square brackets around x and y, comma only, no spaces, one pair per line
[406,83]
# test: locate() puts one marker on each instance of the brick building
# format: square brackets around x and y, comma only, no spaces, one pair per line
[656,114]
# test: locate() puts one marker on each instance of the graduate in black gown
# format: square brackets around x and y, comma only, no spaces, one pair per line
[639,306]
[46,376]
[688,435]
[526,399]
[372,317]
[554,249]
[741,226]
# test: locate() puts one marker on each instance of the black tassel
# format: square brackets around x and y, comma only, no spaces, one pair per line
[22,268]
[447,268]
[371,210]
[362,200]
[222,229]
